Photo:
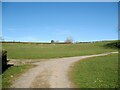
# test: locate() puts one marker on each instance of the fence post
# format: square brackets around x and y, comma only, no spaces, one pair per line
[4,60]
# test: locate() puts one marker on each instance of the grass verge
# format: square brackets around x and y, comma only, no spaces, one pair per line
[12,73]
[96,72]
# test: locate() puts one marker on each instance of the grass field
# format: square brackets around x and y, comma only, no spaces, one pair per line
[96,72]
[88,78]
[12,73]
[40,51]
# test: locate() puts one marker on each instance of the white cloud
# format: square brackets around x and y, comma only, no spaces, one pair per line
[11,29]
[27,38]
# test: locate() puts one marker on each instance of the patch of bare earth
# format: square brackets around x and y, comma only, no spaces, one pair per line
[51,73]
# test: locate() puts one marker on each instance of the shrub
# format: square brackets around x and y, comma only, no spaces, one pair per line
[114,44]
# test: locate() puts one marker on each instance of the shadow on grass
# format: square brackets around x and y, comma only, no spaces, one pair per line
[114,45]
[6,67]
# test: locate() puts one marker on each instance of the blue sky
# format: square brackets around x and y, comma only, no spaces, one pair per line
[42,22]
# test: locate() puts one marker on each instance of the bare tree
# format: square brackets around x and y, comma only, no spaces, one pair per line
[57,41]
[69,40]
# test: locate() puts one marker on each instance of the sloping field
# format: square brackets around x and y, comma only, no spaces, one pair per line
[41,51]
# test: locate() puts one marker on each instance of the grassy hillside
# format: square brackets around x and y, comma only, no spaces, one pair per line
[96,72]
[35,51]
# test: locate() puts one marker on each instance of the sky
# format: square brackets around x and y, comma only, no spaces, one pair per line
[60,0]
[46,21]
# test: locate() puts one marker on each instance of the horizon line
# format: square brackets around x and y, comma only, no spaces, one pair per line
[55,41]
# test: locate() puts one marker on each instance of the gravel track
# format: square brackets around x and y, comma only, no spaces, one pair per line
[51,73]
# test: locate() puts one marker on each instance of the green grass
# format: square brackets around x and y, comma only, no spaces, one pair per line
[38,51]
[12,73]
[96,72]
